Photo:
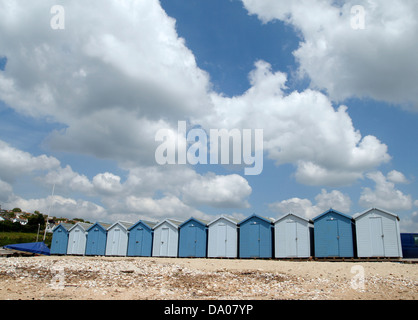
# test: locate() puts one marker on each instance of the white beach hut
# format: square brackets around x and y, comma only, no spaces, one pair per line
[377,234]
[293,237]
[166,238]
[117,239]
[223,238]
[77,238]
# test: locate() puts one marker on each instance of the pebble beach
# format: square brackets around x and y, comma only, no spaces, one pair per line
[114,278]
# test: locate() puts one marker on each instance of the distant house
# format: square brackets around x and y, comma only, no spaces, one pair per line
[2,219]
[23,222]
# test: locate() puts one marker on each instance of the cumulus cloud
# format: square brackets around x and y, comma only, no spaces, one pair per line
[377,62]
[166,207]
[66,178]
[385,195]
[6,191]
[304,207]
[301,128]
[218,191]
[409,224]
[116,70]
[59,206]
[14,162]
[396,177]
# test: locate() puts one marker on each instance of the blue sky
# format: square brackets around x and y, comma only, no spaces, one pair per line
[80,107]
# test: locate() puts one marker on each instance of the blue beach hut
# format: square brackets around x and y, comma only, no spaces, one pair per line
[255,237]
[193,238]
[333,235]
[96,239]
[60,238]
[140,239]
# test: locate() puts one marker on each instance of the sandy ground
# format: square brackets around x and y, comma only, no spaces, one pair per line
[97,278]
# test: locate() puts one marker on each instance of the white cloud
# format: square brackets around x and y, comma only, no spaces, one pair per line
[14,162]
[159,209]
[61,207]
[6,191]
[66,178]
[397,177]
[218,191]
[301,128]
[304,207]
[107,183]
[116,70]
[409,224]
[377,62]
[385,195]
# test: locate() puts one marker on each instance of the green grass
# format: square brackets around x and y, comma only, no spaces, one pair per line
[20,237]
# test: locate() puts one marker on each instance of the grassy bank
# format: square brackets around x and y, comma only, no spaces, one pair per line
[20,237]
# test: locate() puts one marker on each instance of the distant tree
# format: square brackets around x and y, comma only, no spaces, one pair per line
[33,222]
[17,210]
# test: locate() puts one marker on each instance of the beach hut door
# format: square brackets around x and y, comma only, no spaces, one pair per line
[138,240]
[222,240]
[115,243]
[292,239]
[334,238]
[192,241]
[164,242]
[377,237]
[254,239]
[76,241]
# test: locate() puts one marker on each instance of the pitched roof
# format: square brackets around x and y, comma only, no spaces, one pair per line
[102,225]
[66,226]
[149,224]
[123,224]
[234,221]
[203,222]
[295,215]
[256,216]
[173,222]
[358,215]
[335,211]
[83,225]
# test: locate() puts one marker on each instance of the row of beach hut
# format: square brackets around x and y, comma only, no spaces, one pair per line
[373,233]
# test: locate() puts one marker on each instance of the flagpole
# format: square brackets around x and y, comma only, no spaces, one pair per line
[49,210]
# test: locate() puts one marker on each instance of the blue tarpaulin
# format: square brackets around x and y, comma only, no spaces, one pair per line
[34,247]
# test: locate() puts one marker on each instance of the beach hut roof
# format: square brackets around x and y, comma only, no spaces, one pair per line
[358,215]
[201,221]
[234,221]
[173,222]
[295,215]
[123,224]
[102,225]
[148,224]
[83,225]
[332,210]
[268,220]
